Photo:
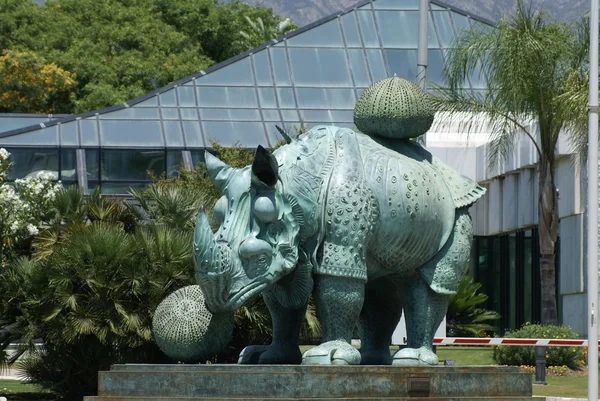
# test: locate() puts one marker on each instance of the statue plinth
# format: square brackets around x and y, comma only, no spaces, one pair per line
[142,382]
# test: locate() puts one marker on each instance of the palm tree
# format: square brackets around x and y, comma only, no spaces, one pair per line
[534,71]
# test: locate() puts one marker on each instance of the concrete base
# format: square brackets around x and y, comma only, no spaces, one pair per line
[314,383]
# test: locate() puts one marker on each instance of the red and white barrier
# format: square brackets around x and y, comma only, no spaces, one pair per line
[509,341]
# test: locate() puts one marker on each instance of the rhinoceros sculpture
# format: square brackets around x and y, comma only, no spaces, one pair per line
[368,226]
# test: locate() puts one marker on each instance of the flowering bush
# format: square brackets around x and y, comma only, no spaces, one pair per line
[24,207]
[555,356]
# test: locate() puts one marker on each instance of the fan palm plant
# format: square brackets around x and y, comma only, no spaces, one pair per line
[465,317]
[533,69]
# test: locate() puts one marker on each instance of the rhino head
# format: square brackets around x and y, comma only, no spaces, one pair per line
[257,241]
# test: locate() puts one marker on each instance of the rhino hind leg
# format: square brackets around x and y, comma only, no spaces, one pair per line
[379,317]
[338,301]
[426,302]
[284,348]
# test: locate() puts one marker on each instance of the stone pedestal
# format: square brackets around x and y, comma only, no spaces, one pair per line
[314,383]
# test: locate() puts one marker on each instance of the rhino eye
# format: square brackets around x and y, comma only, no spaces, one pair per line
[265,209]
[220,209]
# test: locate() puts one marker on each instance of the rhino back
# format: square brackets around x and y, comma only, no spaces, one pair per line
[416,206]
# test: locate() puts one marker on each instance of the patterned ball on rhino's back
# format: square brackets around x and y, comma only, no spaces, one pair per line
[394,108]
[185,330]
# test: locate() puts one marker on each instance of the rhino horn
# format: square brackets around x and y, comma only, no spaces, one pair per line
[218,171]
[265,170]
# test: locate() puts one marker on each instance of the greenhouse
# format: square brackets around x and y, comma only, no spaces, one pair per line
[309,77]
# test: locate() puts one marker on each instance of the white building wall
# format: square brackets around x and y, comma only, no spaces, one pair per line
[511,204]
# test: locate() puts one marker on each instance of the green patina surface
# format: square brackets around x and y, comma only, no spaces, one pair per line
[372,226]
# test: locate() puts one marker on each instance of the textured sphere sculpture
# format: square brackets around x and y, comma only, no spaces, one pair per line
[186,331]
[394,108]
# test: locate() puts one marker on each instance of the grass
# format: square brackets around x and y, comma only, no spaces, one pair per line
[570,387]
[14,390]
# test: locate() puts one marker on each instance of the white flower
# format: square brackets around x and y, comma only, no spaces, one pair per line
[33,230]
[14,227]
[4,154]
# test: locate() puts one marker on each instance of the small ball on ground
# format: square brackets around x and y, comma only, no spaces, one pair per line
[185,330]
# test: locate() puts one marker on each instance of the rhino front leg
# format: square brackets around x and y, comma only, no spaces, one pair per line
[286,331]
[338,301]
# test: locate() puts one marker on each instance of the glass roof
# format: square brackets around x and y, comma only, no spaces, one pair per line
[312,76]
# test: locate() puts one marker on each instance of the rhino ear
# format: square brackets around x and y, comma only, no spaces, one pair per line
[218,171]
[265,170]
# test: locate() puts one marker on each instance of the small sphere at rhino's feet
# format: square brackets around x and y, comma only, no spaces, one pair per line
[185,330]
[394,108]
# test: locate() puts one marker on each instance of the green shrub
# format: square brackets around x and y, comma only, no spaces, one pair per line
[555,356]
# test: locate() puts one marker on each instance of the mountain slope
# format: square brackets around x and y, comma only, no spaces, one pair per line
[303,12]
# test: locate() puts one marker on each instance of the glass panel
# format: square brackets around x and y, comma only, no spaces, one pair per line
[238,73]
[432,40]
[316,115]
[188,113]
[131,133]
[527,276]
[320,67]
[312,98]
[68,164]
[266,96]
[29,162]
[398,28]
[89,133]
[444,27]
[92,166]
[174,162]
[340,116]
[403,63]
[397,4]
[289,115]
[227,97]
[45,136]
[193,136]
[286,98]
[358,66]
[150,102]
[173,134]
[271,115]
[68,134]
[114,188]
[325,35]
[435,70]
[512,291]
[376,65]
[168,98]
[367,27]
[478,80]
[230,114]
[9,123]
[169,113]
[436,7]
[460,22]
[351,30]
[197,156]
[401,29]
[131,113]
[334,116]
[186,96]
[230,134]
[262,68]
[131,165]
[280,66]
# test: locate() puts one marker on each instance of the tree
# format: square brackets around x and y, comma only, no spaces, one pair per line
[533,70]
[29,84]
